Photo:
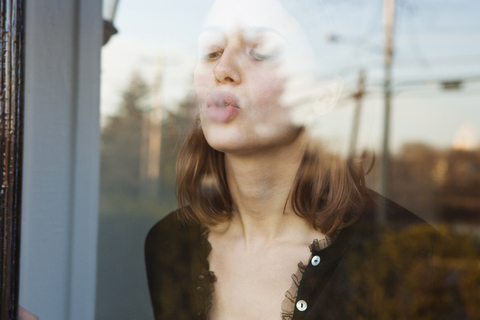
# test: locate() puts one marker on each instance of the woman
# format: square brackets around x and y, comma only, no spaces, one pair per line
[259,200]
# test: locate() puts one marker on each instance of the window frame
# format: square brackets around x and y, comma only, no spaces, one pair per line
[12,59]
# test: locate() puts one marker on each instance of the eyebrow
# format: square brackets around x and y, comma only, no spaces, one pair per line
[249,30]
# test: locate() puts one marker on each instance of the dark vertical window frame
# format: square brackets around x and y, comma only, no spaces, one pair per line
[12,23]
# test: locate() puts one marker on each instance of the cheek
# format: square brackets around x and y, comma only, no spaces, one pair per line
[269,118]
[268,90]
[201,81]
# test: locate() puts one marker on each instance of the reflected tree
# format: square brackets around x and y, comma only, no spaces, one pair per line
[121,142]
[126,211]
[124,219]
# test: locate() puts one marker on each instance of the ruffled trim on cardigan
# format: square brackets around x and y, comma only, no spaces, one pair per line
[288,304]
[209,278]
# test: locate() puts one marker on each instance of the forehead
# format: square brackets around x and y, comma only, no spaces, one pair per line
[229,16]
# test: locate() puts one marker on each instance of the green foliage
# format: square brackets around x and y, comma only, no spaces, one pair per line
[394,276]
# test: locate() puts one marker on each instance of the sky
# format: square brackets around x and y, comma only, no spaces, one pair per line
[435,40]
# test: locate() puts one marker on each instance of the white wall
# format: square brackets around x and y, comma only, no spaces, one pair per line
[61,158]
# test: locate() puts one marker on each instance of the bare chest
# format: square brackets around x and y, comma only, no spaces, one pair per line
[252,285]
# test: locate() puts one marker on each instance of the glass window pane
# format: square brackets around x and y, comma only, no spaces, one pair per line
[425,153]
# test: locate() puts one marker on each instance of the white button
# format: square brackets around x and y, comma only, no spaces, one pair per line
[301,305]
[315,260]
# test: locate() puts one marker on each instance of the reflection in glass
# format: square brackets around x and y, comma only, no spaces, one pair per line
[148,106]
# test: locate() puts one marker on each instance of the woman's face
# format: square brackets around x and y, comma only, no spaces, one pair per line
[249,51]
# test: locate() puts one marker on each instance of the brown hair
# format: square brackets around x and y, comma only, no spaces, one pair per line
[327,191]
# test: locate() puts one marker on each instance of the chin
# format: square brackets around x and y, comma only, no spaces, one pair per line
[232,141]
[226,140]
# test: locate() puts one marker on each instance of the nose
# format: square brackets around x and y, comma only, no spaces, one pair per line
[227,70]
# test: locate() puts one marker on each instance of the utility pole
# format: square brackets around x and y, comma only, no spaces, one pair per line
[356,115]
[388,24]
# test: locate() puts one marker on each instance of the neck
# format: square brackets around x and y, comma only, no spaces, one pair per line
[260,184]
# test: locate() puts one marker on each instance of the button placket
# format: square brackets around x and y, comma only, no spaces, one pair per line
[200,280]
[301,305]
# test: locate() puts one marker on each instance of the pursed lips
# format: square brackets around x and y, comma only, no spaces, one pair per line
[222,106]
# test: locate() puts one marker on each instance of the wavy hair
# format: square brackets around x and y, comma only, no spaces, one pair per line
[328,192]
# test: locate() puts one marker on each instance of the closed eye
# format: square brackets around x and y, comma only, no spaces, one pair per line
[262,53]
[259,56]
